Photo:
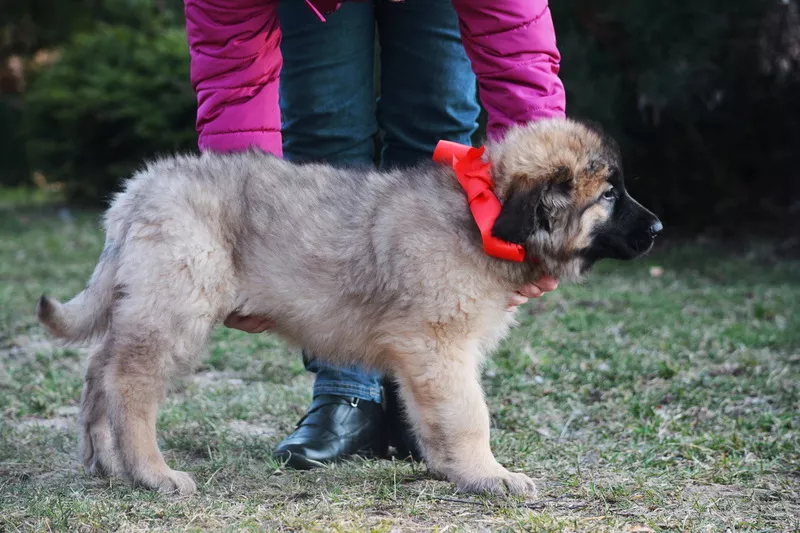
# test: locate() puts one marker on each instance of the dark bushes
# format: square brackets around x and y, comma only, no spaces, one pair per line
[115,97]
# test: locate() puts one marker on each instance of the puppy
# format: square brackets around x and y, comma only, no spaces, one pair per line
[385,269]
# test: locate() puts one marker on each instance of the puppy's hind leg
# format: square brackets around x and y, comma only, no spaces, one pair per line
[158,332]
[136,382]
[97,447]
[176,289]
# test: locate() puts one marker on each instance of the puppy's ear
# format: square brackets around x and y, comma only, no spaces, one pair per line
[522,214]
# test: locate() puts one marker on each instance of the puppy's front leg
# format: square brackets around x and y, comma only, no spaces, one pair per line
[447,408]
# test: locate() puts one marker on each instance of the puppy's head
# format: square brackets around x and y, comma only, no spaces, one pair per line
[564,197]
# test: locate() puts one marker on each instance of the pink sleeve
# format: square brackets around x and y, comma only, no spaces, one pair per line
[235,64]
[512,46]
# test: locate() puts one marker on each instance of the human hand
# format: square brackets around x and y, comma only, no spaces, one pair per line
[249,324]
[532,290]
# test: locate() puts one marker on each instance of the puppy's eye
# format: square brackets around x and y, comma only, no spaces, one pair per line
[610,194]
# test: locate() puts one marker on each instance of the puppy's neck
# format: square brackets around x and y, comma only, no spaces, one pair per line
[539,262]
[552,260]
[517,274]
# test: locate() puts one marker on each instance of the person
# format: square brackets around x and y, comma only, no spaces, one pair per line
[296,79]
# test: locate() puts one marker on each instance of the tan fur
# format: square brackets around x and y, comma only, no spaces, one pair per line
[384,269]
[547,149]
[590,219]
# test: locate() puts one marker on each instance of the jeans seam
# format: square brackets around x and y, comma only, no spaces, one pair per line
[373,394]
[346,387]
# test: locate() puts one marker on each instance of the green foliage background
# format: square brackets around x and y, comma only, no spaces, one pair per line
[703,96]
[115,97]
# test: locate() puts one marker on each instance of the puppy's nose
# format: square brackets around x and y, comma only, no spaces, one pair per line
[656,228]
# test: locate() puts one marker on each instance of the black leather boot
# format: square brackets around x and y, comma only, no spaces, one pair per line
[335,427]
[400,434]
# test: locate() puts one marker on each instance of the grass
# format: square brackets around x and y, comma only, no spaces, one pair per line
[638,403]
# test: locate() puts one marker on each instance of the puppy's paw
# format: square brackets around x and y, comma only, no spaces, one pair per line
[499,482]
[178,482]
[519,484]
[168,481]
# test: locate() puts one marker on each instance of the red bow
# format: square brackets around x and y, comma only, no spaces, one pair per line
[475,178]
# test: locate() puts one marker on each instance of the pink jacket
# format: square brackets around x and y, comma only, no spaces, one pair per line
[236,61]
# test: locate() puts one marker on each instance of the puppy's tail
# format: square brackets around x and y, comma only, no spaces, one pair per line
[88,314]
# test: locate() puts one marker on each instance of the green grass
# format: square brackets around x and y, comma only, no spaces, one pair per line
[668,403]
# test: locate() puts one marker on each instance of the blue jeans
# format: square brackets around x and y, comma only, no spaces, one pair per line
[330,111]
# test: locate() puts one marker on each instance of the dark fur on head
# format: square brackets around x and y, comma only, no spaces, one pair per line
[563,195]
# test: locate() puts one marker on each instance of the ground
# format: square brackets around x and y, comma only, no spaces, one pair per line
[661,395]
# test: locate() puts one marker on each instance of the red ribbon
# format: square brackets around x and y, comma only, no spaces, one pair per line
[475,178]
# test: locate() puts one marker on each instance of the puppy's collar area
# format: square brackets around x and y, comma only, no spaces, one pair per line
[475,177]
